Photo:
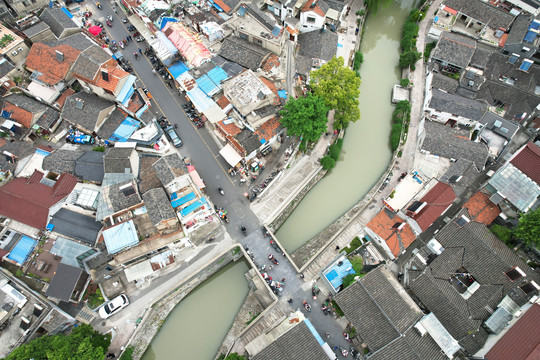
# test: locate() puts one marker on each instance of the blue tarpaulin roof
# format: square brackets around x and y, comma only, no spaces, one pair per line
[282,94]
[218,75]
[531,35]
[242,10]
[66,11]
[125,130]
[184,199]
[127,90]
[336,273]
[120,237]
[207,85]
[165,20]
[189,209]
[23,248]
[177,69]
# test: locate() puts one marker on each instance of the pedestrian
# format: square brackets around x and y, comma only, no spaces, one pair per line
[270,267]
[130,38]
[290,301]
[140,51]
[328,335]
[301,275]
[283,280]
[337,248]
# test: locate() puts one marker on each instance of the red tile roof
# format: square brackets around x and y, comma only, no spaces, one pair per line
[115,74]
[223,102]
[44,59]
[522,341]
[62,99]
[271,62]
[18,114]
[229,127]
[222,5]
[528,161]
[272,87]
[481,209]
[396,239]
[28,201]
[316,9]
[268,129]
[438,199]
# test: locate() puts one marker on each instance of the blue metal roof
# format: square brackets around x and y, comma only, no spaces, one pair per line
[531,35]
[242,10]
[184,199]
[125,130]
[189,209]
[207,85]
[218,75]
[177,69]
[525,65]
[335,273]
[200,100]
[66,11]
[24,247]
[120,237]
[127,90]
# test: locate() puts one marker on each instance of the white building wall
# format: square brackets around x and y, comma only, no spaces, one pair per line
[306,26]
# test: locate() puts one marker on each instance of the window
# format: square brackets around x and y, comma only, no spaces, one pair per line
[257,41]
[515,273]
[311,19]
[243,36]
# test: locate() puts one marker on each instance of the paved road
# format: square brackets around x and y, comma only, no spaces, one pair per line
[202,149]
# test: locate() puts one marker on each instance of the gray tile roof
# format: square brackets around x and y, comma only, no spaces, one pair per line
[76,226]
[25,102]
[232,3]
[64,281]
[118,200]
[504,128]
[463,168]
[111,124]
[451,143]
[21,149]
[454,49]
[89,166]
[58,21]
[474,248]
[445,83]
[480,58]
[482,12]
[61,161]
[243,52]
[266,111]
[335,4]
[116,160]
[457,105]
[378,308]
[89,62]
[86,117]
[500,67]
[48,118]
[79,41]
[518,101]
[168,168]
[249,141]
[519,29]
[264,18]
[318,44]
[298,343]
[5,67]
[36,29]
[158,206]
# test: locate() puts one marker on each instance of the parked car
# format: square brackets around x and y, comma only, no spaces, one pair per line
[112,307]
[174,136]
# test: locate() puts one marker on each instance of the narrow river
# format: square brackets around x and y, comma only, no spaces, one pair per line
[366,150]
[197,326]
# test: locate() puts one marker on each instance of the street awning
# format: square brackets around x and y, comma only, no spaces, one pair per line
[230,155]
[195,177]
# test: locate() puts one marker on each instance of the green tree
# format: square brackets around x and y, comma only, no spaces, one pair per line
[374,5]
[127,354]
[528,228]
[409,58]
[83,343]
[327,162]
[235,356]
[339,87]
[305,116]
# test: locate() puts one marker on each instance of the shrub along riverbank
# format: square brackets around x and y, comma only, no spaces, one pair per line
[400,119]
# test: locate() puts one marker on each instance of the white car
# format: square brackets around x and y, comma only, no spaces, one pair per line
[112,307]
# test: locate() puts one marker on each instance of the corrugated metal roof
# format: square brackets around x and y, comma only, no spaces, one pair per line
[120,237]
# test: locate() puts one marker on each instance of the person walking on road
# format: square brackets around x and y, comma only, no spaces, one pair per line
[140,51]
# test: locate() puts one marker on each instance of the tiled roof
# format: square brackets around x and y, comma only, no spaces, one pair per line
[89,166]
[64,281]
[230,128]
[78,41]
[77,226]
[223,102]
[168,168]
[89,62]
[28,201]
[58,21]
[61,161]
[111,124]
[5,67]
[147,175]
[44,59]
[481,209]
[23,108]
[271,62]
[87,116]
[457,105]
[320,8]
[18,114]
[62,99]
[528,161]
[378,307]
[462,170]
[48,118]
[482,12]
[243,52]
[455,49]
[268,129]
[117,160]
[158,205]
[397,239]
[522,341]
[222,5]
[21,149]
[438,199]
[298,343]
[116,73]
[272,87]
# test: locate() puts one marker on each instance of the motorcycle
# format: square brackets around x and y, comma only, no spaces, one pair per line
[244,230]
[136,55]
[221,191]
[306,306]
[344,352]
[139,39]
[346,336]
[125,20]
[98,5]
[109,23]
[109,17]
[121,43]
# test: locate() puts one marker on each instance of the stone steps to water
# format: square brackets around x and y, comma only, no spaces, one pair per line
[267,322]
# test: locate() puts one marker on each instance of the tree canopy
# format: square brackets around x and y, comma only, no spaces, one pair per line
[83,343]
[528,228]
[235,356]
[339,87]
[305,116]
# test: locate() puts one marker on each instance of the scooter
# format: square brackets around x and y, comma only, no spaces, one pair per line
[136,55]
[346,335]
[306,306]
[344,352]
[98,5]
[221,191]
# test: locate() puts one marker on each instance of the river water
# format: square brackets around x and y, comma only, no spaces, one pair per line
[197,326]
[366,149]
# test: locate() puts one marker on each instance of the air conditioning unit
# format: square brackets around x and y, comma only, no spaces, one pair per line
[14,53]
